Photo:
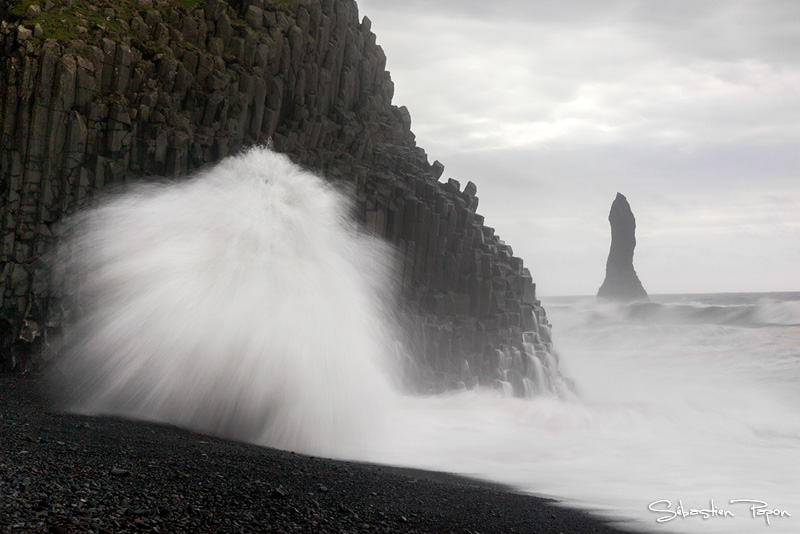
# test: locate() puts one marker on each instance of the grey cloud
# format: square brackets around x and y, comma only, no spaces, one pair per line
[576,11]
[689,108]
[717,29]
[721,30]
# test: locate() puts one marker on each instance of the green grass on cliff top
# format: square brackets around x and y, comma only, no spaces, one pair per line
[122,7]
[61,22]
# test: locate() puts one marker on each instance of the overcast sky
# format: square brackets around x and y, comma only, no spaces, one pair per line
[691,109]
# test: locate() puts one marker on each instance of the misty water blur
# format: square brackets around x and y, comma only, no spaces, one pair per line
[241,302]
[686,398]
[244,303]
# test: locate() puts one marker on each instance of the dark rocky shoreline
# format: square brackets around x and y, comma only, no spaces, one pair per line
[69,473]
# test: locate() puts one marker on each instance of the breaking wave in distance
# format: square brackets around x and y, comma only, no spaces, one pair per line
[745,310]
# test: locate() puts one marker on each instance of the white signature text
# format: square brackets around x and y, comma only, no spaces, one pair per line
[757,509]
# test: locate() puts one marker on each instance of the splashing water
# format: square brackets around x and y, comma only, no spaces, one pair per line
[240,302]
[243,303]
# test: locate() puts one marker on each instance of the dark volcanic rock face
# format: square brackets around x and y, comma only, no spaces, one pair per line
[621,281]
[97,94]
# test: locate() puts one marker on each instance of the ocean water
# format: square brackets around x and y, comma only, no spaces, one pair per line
[689,400]
[243,302]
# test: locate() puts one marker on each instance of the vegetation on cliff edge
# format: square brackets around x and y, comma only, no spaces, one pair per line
[73,19]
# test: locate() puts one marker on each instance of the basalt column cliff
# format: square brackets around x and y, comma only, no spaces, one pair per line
[98,92]
[621,281]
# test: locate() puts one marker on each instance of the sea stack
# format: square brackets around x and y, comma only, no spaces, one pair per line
[621,282]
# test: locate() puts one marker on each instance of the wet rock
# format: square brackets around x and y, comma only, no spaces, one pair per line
[621,282]
[279,493]
[470,189]
[437,168]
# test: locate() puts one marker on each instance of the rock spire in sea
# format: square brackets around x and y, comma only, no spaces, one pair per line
[621,281]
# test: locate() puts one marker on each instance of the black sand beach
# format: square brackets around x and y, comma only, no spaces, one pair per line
[68,473]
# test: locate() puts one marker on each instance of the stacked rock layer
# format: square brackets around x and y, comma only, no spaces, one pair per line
[95,93]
